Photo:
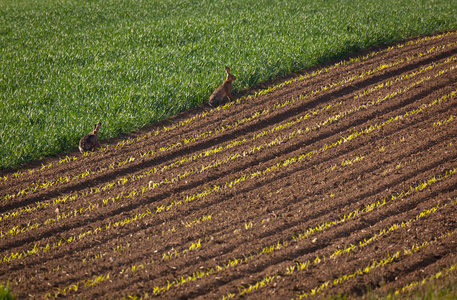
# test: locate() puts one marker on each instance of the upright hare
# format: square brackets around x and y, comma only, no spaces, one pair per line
[90,141]
[223,90]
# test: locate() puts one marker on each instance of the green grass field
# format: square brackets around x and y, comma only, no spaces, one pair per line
[67,64]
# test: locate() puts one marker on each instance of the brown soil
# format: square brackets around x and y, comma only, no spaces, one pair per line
[339,181]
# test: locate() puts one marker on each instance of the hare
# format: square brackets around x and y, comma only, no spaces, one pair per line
[223,90]
[90,141]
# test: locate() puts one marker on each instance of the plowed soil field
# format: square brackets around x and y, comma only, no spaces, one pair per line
[337,179]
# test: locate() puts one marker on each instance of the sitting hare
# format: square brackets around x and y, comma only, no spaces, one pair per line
[90,141]
[223,90]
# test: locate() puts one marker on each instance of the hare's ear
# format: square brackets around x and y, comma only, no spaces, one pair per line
[97,127]
[227,69]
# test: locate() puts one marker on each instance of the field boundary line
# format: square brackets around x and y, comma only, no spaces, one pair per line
[310,75]
[263,133]
[16,230]
[156,132]
[235,124]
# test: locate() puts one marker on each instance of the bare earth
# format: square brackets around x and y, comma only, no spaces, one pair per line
[337,179]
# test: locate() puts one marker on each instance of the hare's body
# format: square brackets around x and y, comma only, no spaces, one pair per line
[90,141]
[224,90]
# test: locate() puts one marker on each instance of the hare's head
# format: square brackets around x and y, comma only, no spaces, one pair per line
[97,128]
[230,77]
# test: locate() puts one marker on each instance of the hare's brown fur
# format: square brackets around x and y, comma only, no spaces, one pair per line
[224,90]
[90,141]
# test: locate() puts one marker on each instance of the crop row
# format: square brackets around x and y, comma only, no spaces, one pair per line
[150,186]
[250,225]
[400,195]
[368,208]
[261,92]
[447,120]
[96,279]
[303,265]
[310,231]
[234,182]
[124,247]
[137,225]
[422,186]
[397,166]
[301,78]
[405,76]
[205,153]
[301,157]
[374,265]
[437,276]
[230,184]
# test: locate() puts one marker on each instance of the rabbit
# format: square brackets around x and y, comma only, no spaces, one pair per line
[223,90]
[90,141]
